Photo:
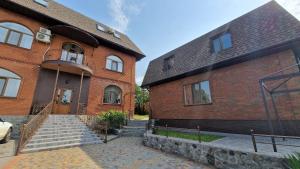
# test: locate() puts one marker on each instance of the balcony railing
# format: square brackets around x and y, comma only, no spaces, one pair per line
[61,54]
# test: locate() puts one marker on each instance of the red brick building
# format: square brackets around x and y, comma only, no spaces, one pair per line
[213,81]
[51,53]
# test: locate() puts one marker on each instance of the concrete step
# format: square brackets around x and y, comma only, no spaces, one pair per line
[57,128]
[53,139]
[133,134]
[61,131]
[141,123]
[63,135]
[62,142]
[61,125]
[29,150]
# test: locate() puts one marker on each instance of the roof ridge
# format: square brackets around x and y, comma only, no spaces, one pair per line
[88,17]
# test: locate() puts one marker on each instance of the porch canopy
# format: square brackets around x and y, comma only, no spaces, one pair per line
[75,33]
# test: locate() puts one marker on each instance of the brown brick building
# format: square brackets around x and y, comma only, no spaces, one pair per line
[213,81]
[50,53]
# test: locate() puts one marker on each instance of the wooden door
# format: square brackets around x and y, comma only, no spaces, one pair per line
[63,101]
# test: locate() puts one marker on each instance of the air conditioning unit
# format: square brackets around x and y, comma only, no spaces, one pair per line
[45,31]
[43,37]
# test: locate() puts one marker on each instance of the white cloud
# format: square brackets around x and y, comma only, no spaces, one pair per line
[293,6]
[121,12]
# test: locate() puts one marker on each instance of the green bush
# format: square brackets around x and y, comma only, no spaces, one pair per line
[114,117]
[293,161]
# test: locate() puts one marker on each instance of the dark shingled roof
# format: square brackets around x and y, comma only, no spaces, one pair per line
[73,18]
[262,28]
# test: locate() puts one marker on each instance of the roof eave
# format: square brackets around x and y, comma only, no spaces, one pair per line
[246,57]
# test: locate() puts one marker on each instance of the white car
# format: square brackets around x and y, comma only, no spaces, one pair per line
[5,131]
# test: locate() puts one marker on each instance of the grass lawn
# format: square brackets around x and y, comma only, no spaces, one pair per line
[140,117]
[204,137]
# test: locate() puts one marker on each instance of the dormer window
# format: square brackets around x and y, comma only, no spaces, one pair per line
[100,28]
[221,42]
[168,63]
[42,2]
[117,35]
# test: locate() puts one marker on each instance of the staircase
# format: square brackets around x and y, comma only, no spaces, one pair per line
[134,128]
[60,131]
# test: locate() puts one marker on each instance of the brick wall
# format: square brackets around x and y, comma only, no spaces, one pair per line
[26,63]
[234,89]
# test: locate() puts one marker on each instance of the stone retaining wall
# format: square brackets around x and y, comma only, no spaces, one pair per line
[206,154]
[17,121]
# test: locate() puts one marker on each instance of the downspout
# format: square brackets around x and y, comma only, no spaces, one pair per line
[131,90]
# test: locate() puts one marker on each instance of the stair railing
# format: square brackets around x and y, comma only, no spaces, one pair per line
[92,122]
[27,130]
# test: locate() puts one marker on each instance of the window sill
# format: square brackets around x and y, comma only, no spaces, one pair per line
[122,73]
[14,46]
[6,97]
[110,104]
[199,104]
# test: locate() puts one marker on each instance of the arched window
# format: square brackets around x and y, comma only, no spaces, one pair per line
[9,83]
[112,95]
[15,34]
[114,63]
[72,53]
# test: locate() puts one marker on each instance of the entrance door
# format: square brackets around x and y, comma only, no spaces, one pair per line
[63,101]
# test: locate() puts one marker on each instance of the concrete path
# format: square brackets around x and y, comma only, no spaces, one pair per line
[122,153]
[244,143]
[241,142]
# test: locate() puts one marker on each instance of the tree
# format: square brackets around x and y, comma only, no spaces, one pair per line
[141,99]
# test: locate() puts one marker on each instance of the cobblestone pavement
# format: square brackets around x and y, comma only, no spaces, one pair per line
[122,153]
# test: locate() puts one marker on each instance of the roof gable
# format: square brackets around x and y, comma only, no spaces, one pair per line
[264,27]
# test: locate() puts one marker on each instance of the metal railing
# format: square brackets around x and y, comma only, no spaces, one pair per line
[167,129]
[36,108]
[82,109]
[274,143]
[56,54]
[100,127]
[27,130]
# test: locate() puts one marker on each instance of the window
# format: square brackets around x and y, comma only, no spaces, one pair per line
[168,63]
[112,95]
[66,96]
[15,34]
[42,2]
[9,83]
[117,35]
[221,42]
[72,53]
[114,63]
[100,28]
[197,93]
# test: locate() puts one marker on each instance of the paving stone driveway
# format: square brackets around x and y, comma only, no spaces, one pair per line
[122,153]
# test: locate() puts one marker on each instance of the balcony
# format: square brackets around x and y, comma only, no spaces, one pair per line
[67,61]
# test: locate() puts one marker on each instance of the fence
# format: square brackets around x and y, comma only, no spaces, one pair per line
[167,129]
[273,140]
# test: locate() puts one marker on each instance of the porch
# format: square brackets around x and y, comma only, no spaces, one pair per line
[64,79]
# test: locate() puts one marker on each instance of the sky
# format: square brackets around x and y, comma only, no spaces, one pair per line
[159,26]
